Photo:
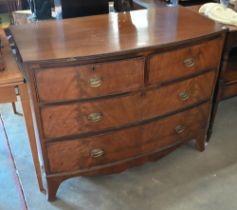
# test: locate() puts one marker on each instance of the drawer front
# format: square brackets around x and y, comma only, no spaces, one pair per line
[76,118]
[179,95]
[116,146]
[183,62]
[73,119]
[58,84]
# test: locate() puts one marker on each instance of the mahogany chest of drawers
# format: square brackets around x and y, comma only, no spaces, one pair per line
[114,91]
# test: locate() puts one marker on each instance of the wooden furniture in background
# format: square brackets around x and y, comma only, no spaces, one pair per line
[114,91]
[229,65]
[11,82]
[228,86]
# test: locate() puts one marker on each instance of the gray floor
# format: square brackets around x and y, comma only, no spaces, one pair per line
[184,180]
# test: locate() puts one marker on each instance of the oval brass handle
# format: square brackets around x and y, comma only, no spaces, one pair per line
[95,153]
[189,62]
[179,129]
[95,81]
[95,117]
[184,96]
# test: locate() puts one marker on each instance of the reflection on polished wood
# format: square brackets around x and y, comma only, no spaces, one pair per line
[113,33]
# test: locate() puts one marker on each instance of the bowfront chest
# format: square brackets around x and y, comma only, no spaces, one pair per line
[114,91]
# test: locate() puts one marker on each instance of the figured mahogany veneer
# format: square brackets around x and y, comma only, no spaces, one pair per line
[114,91]
[90,80]
[127,143]
[73,119]
[183,62]
[178,95]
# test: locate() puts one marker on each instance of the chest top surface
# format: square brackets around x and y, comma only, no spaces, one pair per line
[108,34]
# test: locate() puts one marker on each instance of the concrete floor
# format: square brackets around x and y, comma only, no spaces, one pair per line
[184,180]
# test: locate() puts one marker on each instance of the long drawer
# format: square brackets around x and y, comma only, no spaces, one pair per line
[86,81]
[175,64]
[77,118]
[68,156]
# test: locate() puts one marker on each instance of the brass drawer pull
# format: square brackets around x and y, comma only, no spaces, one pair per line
[184,96]
[95,81]
[179,129]
[95,117]
[95,153]
[189,62]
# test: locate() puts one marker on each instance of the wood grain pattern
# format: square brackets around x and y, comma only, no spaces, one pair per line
[103,35]
[74,155]
[168,66]
[170,98]
[55,181]
[73,82]
[72,119]
[66,120]
[25,103]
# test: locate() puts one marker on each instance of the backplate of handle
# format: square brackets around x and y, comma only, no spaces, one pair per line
[97,152]
[189,62]
[95,82]
[95,117]
[180,129]
[184,96]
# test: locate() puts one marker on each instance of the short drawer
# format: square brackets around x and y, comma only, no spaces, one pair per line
[86,81]
[77,118]
[178,95]
[68,156]
[179,63]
